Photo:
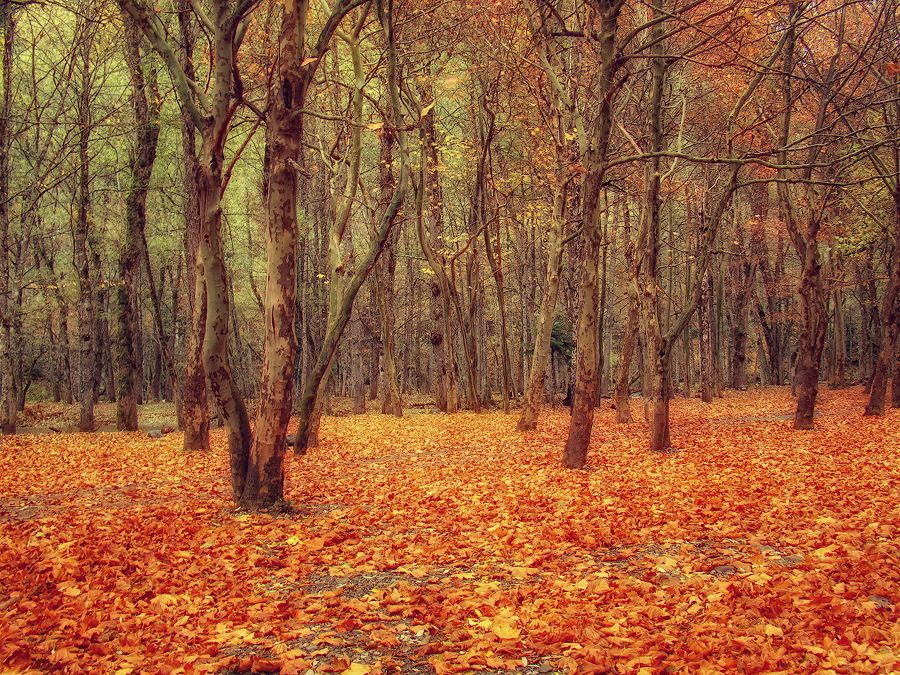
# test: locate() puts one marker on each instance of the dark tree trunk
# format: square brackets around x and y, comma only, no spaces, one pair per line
[87,391]
[7,388]
[146,114]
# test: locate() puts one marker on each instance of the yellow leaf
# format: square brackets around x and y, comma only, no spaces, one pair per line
[426,109]
[358,669]
[505,630]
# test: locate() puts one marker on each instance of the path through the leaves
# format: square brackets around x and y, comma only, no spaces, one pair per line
[446,544]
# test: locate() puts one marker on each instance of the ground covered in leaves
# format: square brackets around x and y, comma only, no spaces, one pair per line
[444,544]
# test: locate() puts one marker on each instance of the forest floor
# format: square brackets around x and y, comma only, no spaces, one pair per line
[452,543]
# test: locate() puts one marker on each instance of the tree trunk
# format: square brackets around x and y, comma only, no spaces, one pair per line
[357,363]
[742,273]
[87,393]
[338,319]
[385,271]
[146,114]
[534,392]
[391,403]
[195,416]
[657,346]
[706,339]
[430,241]
[265,473]
[495,261]
[7,390]
[889,317]
[586,383]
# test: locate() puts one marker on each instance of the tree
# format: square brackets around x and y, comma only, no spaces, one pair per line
[564,117]
[212,113]
[296,69]
[595,166]
[7,390]
[87,364]
[818,174]
[195,419]
[338,319]
[146,102]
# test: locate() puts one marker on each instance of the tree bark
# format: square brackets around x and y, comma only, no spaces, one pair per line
[742,274]
[146,114]
[889,317]
[195,416]
[87,393]
[586,383]
[7,388]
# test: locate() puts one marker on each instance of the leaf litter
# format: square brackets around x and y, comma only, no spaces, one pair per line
[452,543]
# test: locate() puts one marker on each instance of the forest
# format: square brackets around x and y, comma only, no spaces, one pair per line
[249,207]
[545,337]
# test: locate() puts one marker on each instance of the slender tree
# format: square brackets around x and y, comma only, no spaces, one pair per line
[146,104]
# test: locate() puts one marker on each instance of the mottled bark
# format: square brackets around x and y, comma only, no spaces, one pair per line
[195,414]
[595,163]
[385,272]
[430,241]
[146,115]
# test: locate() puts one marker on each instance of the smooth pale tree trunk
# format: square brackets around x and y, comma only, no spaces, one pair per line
[338,319]
[623,373]
[587,382]
[534,391]
[341,318]
[146,114]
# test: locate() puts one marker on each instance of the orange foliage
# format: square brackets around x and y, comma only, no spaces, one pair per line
[457,542]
